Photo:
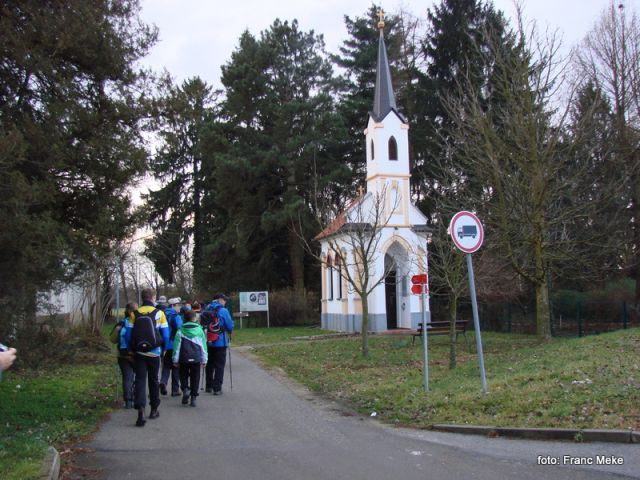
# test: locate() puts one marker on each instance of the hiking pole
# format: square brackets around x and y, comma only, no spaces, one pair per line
[230,371]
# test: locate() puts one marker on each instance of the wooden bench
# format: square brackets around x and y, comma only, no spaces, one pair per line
[442,328]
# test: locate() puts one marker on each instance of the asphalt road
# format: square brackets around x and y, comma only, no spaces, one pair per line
[268,428]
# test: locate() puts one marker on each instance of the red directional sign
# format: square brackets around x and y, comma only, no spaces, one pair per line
[417,289]
[420,279]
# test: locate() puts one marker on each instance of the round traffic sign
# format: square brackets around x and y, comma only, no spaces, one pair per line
[466,231]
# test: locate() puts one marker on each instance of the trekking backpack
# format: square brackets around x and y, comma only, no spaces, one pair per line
[145,337]
[190,352]
[211,325]
[114,335]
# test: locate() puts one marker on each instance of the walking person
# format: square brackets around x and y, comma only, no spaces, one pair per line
[174,320]
[189,353]
[218,325]
[146,331]
[125,357]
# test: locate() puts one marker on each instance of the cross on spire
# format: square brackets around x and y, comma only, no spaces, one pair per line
[380,15]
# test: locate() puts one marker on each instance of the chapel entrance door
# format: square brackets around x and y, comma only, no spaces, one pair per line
[391,296]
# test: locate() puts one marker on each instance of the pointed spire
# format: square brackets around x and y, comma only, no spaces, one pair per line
[384,100]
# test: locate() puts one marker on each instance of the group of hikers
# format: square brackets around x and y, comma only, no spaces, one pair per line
[167,341]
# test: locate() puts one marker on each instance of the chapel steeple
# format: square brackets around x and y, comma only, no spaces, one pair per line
[387,137]
[384,99]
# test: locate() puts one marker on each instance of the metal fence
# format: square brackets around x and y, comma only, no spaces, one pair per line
[569,317]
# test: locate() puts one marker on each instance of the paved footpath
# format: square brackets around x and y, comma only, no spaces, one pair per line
[268,428]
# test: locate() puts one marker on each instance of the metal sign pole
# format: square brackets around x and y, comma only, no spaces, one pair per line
[476,322]
[425,344]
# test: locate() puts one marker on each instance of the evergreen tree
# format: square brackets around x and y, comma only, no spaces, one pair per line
[175,210]
[609,58]
[461,38]
[599,167]
[283,149]
[358,60]
[71,112]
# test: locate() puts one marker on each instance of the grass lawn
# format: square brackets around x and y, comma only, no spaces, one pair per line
[53,406]
[262,336]
[589,382]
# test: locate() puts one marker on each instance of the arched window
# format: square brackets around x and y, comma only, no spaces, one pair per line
[339,271]
[329,279]
[393,149]
[373,152]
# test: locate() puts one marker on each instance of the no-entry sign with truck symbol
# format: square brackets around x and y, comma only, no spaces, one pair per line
[466,231]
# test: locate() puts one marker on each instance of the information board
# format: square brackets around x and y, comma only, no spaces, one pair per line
[254,301]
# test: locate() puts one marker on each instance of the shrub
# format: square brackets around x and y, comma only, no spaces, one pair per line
[289,308]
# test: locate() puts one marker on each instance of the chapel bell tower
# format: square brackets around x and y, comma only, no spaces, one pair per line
[387,137]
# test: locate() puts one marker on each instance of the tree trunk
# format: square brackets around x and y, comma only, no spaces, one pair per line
[123,279]
[93,322]
[198,227]
[636,231]
[296,257]
[364,331]
[453,313]
[543,324]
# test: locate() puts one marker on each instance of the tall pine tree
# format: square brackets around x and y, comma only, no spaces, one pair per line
[72,109]
[283,149]
[187,122]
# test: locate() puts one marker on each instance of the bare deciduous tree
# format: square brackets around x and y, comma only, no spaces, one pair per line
[516,149]
[354,238]
[448,274]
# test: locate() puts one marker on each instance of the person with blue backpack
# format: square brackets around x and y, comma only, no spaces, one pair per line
[146,331]
[174,319]
[217,324]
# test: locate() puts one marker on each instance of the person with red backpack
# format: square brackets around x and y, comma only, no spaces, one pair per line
[217,325]
[146,333]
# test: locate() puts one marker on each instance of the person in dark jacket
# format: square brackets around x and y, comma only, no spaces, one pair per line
[218,350]
[189,354]
[125,357]
[147,363]
[174,319]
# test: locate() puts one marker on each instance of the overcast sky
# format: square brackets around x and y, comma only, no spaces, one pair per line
[198,36]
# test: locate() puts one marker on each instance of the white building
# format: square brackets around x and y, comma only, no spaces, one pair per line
[401,238]
[73,302]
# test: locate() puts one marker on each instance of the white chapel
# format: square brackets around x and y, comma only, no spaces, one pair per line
[401,243]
